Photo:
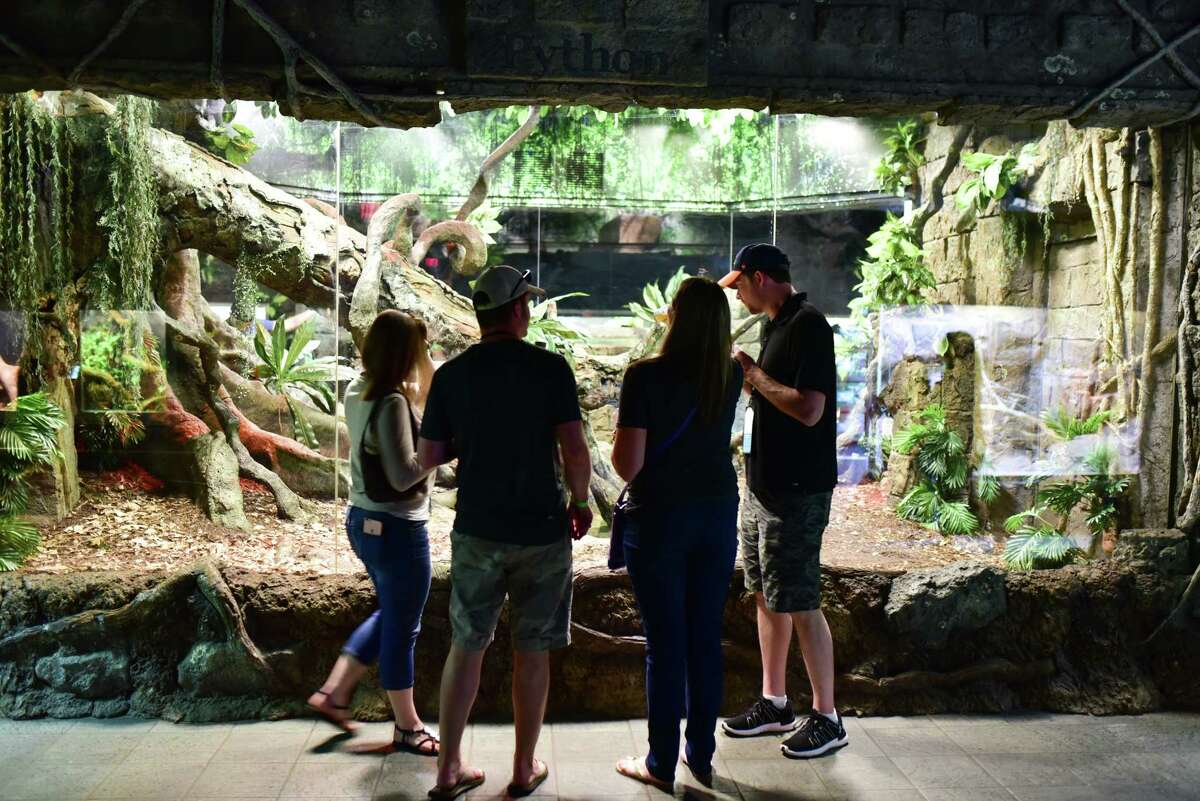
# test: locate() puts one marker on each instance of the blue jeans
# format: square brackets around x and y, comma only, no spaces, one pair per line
[397,561]
[680,559]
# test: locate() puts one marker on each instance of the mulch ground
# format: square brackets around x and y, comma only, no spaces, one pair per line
[126,521]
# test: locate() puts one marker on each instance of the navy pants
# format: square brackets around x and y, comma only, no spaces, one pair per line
[397,561]
[680,559]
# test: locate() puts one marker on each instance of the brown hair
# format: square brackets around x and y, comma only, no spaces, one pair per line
[699,343]
[390,352]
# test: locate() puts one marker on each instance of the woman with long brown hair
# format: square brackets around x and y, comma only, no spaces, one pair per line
[672,446]
[386,524]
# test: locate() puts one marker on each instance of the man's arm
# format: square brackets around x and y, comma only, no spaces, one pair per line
[577,466]
[805,405]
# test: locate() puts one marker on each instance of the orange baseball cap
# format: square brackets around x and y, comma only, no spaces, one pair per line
[759,257]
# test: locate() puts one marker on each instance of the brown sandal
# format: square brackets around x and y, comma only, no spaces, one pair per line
[414,741]
[332,712]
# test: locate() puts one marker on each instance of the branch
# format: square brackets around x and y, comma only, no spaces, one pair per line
[127,16]
[934,204]
[364,304]
[1133,71]
[746,325]
[30,56]
[479,191]
[1175,619]
[1183,69]
[218,47]
[916,680]
[287,42]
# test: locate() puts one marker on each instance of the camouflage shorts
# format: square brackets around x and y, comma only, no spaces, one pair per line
[781,549]
[536,579]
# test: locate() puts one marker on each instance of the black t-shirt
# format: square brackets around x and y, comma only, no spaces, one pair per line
[498,404]
[698,464]
[786,456]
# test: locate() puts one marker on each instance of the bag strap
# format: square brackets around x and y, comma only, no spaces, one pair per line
[659,451]
[669,441]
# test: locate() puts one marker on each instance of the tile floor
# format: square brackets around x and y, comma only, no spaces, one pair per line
[1033,757]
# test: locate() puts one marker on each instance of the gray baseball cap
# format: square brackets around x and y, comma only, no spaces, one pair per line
[500,285]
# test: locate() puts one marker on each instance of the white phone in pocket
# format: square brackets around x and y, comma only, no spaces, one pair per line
[372,527]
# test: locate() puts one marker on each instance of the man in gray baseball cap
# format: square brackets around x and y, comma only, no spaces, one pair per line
[501,285]
[508,411]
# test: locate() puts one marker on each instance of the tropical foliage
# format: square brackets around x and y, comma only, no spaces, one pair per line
[584,157]
[652,311]
[27,442]
[1035,541]
[894,272]
[993,176]
[289,369]
[897,169]
[231,140]
[115,352]
[940,499]
[547,331]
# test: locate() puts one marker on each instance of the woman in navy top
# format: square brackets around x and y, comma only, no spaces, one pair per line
[672,445]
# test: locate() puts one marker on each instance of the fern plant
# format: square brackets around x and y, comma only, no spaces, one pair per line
[548,332]
[1035,542]
[290,370]
[27,442]
[1067,427]
[897,169]
[941,498]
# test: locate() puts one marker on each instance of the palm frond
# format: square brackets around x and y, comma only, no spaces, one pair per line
[956,518]
[1038,549]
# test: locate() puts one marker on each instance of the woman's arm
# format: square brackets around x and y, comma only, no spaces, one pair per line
[629,451]
[396,448]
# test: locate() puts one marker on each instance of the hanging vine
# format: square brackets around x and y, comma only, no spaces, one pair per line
[131,217]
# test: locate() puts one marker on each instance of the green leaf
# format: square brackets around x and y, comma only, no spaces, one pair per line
[992,176]
[956,518]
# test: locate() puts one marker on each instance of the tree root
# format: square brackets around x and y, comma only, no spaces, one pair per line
[288,502]
[85,631]
[918,680]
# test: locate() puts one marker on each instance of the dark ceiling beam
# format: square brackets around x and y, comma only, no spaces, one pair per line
[1105,62]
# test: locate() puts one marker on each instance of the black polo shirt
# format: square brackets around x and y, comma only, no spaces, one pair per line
[786,456]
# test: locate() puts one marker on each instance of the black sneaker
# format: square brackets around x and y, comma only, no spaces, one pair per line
[761,718]
[815,735]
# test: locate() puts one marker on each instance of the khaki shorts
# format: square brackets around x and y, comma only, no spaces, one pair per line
[536,578]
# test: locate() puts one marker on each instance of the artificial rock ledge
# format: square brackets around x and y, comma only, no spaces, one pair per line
[211,644]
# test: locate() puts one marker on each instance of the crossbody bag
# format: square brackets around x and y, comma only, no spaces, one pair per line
[623,508]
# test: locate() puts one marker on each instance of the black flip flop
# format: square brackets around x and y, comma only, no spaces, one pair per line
[521,790]
[463,785]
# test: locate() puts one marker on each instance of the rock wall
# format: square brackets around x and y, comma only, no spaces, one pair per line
[1045,349]
[209,645]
